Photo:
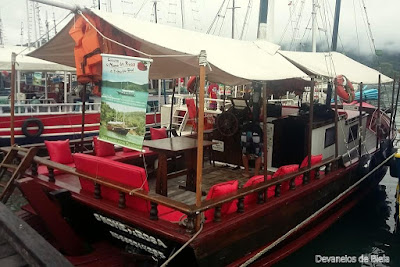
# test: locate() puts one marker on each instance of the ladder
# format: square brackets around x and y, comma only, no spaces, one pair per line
[179,121]
[17,171]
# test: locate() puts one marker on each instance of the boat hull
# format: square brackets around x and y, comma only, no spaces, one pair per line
[237,237]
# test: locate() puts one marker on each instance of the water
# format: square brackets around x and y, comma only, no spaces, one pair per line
[368,230]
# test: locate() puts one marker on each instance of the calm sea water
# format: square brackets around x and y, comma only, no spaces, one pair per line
[367,230]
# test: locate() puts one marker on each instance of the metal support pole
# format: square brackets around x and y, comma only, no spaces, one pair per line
[83,116]
[172,110]
[45,85]
[310,123]
[12,98]
[391,108]
[65,87]
[265,136]
[378,124]
[360,121]
[336,125]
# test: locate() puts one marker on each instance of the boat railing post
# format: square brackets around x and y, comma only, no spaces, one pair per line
[12,98]
[336,125]
[240,205]
[153,211]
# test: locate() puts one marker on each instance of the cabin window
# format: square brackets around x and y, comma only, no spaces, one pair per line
[152,106]
[329,137]
[353,133]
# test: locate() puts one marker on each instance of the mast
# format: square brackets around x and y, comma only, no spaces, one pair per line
[336,25]
[183,14]
[233,19]
[47,27]
[28,24]
[155,11]
[34,23]
[314,26]
[1,33]
[262,20]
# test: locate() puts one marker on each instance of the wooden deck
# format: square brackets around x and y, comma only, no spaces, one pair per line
[211,176]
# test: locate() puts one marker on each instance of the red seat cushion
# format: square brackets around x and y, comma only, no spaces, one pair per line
[126,150]
[315,159]
[283,170]
[129,175]
[219,190]
[158,133]
[103,149]
[252,198]
[59,151]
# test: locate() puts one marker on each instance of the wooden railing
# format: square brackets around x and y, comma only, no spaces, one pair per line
[190,210]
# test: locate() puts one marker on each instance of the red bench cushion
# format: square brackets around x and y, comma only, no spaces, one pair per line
[103,149]
[252,198]
[59,151]
[219,190]
[158,133]
[43,170]
[129,175]
[283,170]
[315,159]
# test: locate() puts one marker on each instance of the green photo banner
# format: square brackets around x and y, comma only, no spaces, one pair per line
[124,94]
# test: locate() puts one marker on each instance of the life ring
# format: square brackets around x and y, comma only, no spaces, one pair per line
[192,84]
[29,122]
[344,88]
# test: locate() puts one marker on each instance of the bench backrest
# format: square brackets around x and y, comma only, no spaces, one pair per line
[129,175]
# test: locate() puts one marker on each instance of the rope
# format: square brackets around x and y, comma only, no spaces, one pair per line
[128,47]
[185,245]
[282,238]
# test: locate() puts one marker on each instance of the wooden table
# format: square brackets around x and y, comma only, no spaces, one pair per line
[171,146]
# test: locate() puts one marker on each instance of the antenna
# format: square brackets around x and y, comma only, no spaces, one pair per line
[28,22]
[39,23]
[34,23]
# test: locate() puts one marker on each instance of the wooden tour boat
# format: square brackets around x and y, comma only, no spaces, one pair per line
[319,160]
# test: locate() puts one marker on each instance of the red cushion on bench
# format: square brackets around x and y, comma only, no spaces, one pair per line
[59,151]
[219,190]
[43,170]
[283,170]
[102,148]
[252,198]
[315,159]
[129,175]
[158,133]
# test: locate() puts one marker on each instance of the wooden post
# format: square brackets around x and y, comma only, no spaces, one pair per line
[310,123]
[360,122]
[172,109]
[378,123]
[12,98]
[200,128]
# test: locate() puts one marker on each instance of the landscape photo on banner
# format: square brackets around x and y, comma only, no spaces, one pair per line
[124,95]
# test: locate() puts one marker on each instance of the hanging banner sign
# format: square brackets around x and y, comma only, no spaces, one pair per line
[124,94]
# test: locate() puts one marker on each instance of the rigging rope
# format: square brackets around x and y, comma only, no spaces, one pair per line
[315,214]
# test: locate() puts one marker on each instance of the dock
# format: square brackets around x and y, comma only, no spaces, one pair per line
[20,245]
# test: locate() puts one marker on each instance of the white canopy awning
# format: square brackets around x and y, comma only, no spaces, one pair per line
[27,63]
[232,61]
[332,64]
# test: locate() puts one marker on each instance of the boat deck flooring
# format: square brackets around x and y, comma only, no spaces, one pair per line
[211,176]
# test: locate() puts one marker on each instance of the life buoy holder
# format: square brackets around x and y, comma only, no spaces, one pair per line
[344,88]
[192,84]
[32,122]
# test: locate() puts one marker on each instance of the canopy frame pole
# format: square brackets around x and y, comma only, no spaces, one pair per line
[310,123]
[378,124]
[200,130]
[12,98]
[391,108]
[265,135]
[360,122]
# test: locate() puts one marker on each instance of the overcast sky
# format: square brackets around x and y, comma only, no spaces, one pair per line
[199,14]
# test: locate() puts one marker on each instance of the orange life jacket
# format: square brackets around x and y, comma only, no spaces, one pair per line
[87,50]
